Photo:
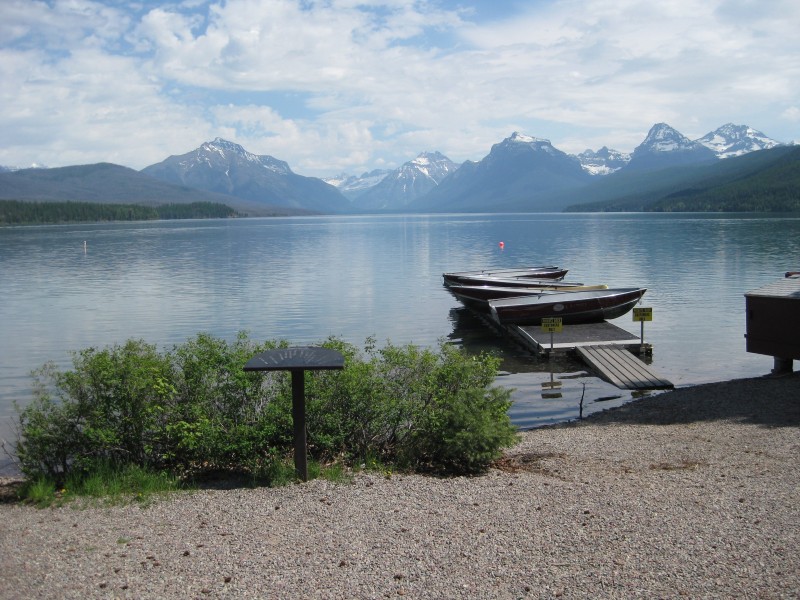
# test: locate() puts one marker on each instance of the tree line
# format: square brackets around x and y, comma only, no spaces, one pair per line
[15,212]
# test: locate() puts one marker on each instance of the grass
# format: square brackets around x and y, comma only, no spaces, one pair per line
[106,483]
[111,485]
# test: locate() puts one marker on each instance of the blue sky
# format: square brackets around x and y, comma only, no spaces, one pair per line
[352,85]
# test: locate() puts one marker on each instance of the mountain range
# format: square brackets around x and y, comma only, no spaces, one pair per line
[520,173]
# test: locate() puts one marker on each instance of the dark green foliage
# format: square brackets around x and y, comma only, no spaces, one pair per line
[193,409]
[413,407]
[773,189]
[13,212]
[195,210]
[224,418]
[109,409]
[763,181]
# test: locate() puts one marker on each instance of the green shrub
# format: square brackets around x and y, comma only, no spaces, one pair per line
[194,409]
[108,409]
[412,407]
[222,416]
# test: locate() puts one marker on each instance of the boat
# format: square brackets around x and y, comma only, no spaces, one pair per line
[553,273]
[477,296]
[573,307]
[449,280]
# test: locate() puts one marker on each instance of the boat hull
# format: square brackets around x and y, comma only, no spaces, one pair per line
[572,307]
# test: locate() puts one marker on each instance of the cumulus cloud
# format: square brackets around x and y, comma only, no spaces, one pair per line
[347,85]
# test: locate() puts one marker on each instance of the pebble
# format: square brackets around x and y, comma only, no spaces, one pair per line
[628,503]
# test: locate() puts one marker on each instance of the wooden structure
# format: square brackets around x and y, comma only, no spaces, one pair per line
[608,350]
[575,336]
[773,321]
[620,367]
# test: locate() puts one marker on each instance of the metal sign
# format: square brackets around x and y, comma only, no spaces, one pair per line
[643,314]
[297,361]
[552,324]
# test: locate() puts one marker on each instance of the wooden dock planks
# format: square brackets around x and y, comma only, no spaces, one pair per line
[603,346]
[573,336]
[618,366]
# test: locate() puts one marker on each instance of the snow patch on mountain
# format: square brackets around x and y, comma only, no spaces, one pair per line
[351,185]
[533,143]
[413,179]
[663,138]
[222,153]
[603,162]
[11,169]
[735,140]
[521,138]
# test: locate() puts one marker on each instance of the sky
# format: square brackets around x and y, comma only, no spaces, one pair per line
[348,86]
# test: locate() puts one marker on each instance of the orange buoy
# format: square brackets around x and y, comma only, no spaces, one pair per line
[502,244]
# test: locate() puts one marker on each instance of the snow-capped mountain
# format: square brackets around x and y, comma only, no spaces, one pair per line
[219,155]
[666,147]
[515,175]
[735,140]
[227,168]
[603,162]
[519,145]
[354,185]
[407,183]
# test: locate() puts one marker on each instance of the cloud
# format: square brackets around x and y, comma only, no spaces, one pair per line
[333,85]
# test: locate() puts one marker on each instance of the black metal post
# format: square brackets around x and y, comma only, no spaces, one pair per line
[299,419]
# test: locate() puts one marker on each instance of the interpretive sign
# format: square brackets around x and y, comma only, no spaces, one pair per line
[297,361]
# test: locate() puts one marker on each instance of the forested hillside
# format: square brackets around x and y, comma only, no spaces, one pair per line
[775,189]
[764,181]
[14,212]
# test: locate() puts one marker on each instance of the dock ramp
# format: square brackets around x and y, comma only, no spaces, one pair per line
[617,365]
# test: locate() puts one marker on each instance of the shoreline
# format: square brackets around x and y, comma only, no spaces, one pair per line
[690,492]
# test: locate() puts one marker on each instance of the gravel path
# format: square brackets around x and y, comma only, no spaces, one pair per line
[692,493]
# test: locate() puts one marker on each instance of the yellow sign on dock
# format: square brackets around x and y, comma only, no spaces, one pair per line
[643,314]
[552,324]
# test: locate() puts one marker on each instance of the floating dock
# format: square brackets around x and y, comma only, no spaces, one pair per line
[576,336]
[610,351]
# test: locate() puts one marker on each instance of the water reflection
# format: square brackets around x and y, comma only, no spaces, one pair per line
[303,279]
[552,389]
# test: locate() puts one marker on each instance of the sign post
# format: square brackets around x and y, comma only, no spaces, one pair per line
[643,314]
[297,361]
[553,325]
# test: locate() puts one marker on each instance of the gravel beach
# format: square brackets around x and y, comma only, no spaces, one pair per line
[693,493]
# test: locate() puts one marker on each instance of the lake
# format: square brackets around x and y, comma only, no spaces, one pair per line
[69,287]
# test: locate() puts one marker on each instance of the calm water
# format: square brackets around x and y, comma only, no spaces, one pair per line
[303,279]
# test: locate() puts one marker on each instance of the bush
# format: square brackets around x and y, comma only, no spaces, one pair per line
[410,407]
[223,417]
[194,409]
[108,409]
